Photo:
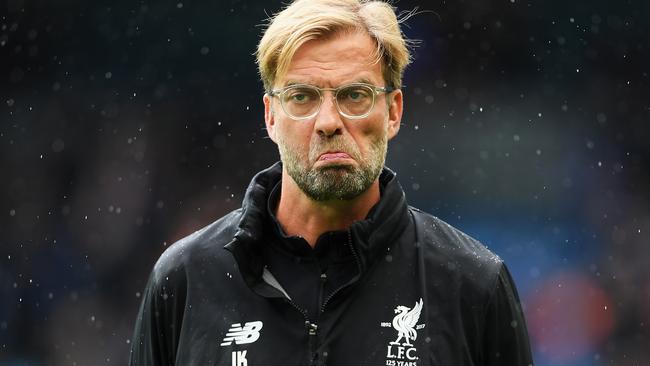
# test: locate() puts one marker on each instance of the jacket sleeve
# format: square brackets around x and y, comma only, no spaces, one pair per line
[158,325]
[506,336]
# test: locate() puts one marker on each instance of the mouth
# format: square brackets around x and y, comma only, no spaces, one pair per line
[334,155]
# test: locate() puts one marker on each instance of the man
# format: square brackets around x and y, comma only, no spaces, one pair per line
[325,263]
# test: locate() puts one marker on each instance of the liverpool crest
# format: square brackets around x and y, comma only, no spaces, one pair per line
[401,351]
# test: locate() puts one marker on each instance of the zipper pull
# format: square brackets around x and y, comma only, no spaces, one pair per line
[311,328]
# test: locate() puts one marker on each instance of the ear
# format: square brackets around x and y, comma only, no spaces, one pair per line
[269,116]
[395,108]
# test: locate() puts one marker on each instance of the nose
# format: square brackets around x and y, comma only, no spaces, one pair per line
[328,120]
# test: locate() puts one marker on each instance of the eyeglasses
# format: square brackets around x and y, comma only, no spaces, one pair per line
[353,101]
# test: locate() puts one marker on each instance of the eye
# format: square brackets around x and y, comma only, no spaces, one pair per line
[300,95]
[355,94]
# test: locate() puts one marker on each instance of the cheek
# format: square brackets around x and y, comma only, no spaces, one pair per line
[371,130]
[296,136]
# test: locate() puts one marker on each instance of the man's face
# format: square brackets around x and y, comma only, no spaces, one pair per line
[330,157]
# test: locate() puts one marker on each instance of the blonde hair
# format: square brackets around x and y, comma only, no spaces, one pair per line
[305,20]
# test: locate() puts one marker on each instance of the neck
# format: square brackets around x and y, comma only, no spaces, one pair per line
[302,216]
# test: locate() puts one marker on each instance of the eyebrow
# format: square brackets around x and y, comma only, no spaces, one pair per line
[298,82]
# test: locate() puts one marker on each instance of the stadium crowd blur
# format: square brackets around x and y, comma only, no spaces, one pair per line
[125,126]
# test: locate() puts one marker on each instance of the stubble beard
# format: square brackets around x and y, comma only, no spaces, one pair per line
[334,181]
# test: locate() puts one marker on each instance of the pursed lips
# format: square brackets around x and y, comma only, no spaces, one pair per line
[330,155]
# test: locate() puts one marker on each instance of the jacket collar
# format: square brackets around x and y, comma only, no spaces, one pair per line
[371,237]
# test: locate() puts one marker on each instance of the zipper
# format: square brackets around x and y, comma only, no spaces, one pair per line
[311,327]
[356,259]
[323,279]
[312,333]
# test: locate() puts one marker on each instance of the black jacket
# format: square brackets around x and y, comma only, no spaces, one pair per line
[416,292]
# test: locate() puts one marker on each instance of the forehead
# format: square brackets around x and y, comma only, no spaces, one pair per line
[330,62]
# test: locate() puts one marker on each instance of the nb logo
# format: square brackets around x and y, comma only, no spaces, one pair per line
[249,333]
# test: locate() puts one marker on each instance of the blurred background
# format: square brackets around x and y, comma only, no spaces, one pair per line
[126,125]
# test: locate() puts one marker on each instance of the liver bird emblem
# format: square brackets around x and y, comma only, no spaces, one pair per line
[404,322]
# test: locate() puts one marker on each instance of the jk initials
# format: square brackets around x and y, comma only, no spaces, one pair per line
[239,358]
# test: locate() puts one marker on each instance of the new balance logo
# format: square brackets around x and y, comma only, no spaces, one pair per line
[249,333]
